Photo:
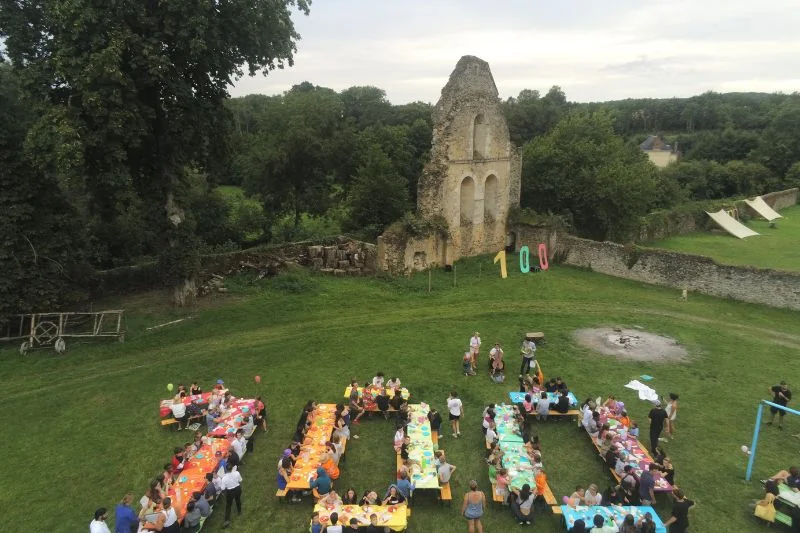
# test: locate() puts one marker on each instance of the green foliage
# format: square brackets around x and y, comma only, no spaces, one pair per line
[584,172]
[792,178]
[526,215]
[379,194]
[529,115]
[704,180]
[779,146]
[412,225]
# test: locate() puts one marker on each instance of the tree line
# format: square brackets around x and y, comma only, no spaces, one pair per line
[119,144]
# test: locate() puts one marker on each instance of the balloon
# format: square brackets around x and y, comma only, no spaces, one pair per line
[170,387]
[565,500]
[258,379]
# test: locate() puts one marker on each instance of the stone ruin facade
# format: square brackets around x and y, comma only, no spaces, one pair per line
[471,182]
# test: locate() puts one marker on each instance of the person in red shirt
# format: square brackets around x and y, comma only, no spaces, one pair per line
[178,460]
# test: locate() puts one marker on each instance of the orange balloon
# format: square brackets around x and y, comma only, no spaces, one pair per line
[258,379]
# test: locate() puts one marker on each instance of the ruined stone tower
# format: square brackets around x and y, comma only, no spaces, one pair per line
[472,179]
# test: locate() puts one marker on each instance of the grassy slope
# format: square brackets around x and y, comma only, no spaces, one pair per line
[777,248]
[83,427]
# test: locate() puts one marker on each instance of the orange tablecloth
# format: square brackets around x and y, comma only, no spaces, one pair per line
[193,477]
[322,421]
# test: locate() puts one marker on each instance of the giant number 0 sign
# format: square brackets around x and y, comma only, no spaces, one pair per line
[524,260]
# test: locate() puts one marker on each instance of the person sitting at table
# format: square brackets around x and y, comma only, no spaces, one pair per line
[393,496]
[404,485]
[646,524]
[561,386]
[330,500]
[197,443]
[326,460]
[501,482]
[370,497]
[238,444]
[394,384]
[593,427]
[322,482]
[562,405]
[527,404]
[382,400]
[790,477]
[201,504]
[624,419]
[628,525]
[316,525]
[491,434]
[612,496]
[350,497]
[611,403]
[179,412]
[605,430]
[551,386]
[334,526]
[166,520]
[612,456]
[195,389]
[356,403]
[212,489]
[540,478]
[578,527]
[578,497]
[399,436]
[404,447]
[667,470]
[178,460]
[606,443]
[633,431]
[436,421]
[191,520]
[592,495]
[601,527]
[374,527]
[377,381]
[181,393]
[353,527]
[488,417]
[630,486]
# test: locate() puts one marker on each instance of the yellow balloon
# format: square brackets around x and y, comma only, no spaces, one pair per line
[170,387]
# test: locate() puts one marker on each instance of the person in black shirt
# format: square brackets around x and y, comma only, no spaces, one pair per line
[383,403]
[562,406]
[436,420]
[613,496]
[782,397]
[679,521]
[657,417]
[561,386]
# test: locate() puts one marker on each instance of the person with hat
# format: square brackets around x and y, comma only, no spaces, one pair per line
[657,417]
[220,385]
[98,525]
[474,349]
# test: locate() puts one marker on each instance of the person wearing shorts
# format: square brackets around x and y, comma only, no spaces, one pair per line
[456,409]
[356,405]
[782,397]
[474,349]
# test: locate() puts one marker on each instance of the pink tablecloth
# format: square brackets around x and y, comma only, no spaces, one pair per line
[234,418]
[165,409]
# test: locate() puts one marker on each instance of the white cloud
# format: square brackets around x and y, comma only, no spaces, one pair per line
[593,51]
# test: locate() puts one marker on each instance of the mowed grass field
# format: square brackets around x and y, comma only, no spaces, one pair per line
[82,429]
[777,248]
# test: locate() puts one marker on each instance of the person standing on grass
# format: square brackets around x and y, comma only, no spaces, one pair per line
[528,353]
[456,409]
[125,519]
[678,522]
[473,507]
[782,397]
[657,417]
[98,525]
[232,485]
[474,349]
[672,413]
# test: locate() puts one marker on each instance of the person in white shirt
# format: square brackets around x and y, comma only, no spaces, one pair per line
[179,411]
[232,485]
[475,348]
[239,443]
[456,409]
[378,380]
[491,434]
[98,525]
[334,526]
[393,383]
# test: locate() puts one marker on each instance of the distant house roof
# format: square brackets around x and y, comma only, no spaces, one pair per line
[654,142]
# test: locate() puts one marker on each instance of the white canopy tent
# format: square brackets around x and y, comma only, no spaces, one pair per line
[731,225]
[762,208]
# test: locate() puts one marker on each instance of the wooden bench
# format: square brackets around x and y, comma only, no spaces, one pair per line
[444,493]
[281,495]
[550,499]
[535,336]
[496,498]
[168,421]
[435,438]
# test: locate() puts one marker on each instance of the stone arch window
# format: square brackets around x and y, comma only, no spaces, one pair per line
[467,205]
[479,133]
[491,197]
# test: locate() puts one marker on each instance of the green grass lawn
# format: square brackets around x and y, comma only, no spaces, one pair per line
[85,425]
[777,248]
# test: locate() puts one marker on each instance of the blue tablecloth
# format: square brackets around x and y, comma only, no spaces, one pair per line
[519,397]
[615,514]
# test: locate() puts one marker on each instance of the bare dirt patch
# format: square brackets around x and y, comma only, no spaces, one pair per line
[631,344]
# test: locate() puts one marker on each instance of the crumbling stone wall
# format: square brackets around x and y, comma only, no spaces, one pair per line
[473,177]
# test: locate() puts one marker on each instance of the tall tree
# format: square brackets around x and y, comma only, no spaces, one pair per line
[143,83]
[779,146]
[379,195]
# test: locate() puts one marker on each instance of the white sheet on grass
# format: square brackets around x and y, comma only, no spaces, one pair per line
[645,392]
[731,225]
[762,208]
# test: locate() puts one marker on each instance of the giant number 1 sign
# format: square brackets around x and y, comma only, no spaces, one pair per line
[524,260]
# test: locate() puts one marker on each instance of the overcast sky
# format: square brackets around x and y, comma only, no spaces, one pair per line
[594,50]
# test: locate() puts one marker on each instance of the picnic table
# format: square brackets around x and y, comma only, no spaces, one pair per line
[519,397]
[787,495]
[323,419]
[373,391]
[421,448]
[193,476]
[634,453]
[233,418]
[395,517]
[515,457]
[613,515]
[200,400]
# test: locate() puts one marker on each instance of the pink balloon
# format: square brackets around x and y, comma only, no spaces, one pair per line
[566,500]
[258,379]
